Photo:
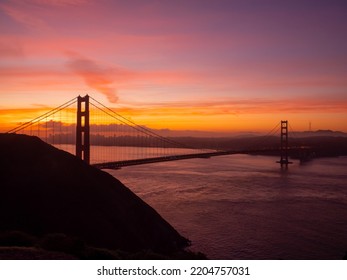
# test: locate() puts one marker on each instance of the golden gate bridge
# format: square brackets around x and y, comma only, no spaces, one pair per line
[100,136]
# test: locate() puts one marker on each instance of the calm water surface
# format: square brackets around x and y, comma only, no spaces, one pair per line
[246,207]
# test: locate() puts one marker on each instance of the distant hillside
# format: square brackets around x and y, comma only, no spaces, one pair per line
[44,190]
[321,145]
[321,133]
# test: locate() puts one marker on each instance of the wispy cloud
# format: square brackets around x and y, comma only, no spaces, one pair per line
[59,2]
[8,50]
[21,15]
[239,107]
[99,77]
[29,12]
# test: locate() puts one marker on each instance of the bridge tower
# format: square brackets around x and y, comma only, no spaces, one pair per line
[82,129]
[284,144]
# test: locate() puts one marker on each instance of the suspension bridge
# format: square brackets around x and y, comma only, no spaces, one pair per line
[100,136]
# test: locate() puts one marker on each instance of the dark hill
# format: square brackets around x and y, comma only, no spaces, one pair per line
[44,190]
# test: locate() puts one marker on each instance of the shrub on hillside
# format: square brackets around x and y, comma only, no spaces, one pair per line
[17,238]
[60,242]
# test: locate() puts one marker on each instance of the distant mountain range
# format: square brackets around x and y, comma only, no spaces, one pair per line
[320,133]
[208,134]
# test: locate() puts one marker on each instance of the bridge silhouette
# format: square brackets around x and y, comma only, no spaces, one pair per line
[100,136]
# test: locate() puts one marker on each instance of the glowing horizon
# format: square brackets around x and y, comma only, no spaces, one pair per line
[161,118]
[219,66]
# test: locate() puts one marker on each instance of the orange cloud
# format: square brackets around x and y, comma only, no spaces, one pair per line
[239,107]
[223,115]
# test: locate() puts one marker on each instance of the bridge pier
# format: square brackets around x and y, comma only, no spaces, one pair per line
[82,129]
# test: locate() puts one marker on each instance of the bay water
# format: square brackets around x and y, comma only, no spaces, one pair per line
[247,207]
[244,206]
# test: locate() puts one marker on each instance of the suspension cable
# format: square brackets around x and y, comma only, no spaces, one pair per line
[262,139]
[39,118]
[135,126]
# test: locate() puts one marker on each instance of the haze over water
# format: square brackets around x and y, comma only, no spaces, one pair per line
[246,207]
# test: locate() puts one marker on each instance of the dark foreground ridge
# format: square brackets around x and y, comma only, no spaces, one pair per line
[48,194]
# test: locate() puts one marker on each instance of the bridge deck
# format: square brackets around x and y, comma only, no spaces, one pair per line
[119,164]
[124,163]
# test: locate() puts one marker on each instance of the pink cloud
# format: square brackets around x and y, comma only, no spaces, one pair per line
[10,50]
[96,76]
[59,2]
[31,13]
[23,16]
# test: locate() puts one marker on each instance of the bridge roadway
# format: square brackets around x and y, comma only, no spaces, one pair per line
[124,163]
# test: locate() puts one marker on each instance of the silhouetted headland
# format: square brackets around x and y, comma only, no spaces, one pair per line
[51,198]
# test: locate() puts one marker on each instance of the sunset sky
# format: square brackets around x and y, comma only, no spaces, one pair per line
[211,65]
